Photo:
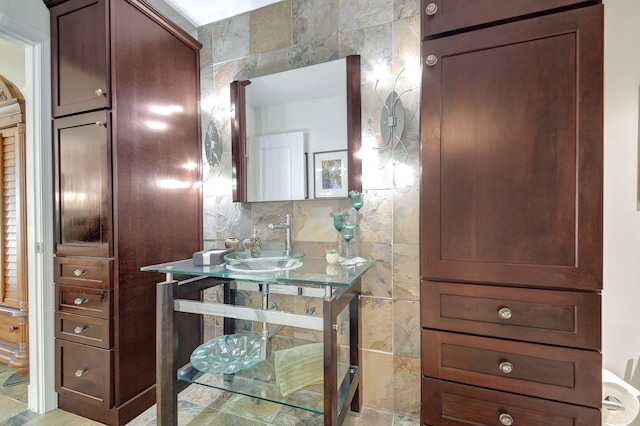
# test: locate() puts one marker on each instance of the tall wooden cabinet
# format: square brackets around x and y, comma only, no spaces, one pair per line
[14,304]
[511,212]
[126,182]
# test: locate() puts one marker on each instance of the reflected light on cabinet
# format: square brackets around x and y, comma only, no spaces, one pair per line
[190,165]
[69,196]
[166,109]
[174,184]
[156,125]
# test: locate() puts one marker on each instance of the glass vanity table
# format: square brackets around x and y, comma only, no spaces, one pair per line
[338,287]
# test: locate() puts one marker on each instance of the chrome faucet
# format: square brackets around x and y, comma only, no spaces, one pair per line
[288,230]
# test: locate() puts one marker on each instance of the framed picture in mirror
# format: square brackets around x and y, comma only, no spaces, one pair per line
[331,172]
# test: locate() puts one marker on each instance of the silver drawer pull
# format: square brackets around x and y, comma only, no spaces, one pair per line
[79,373]
[505,313]
[505,419]
[431,9]
[100,92]
[80,300]
[79,329]
[80,272]
[101,124]
[13,328]
[431,60]
[506,367]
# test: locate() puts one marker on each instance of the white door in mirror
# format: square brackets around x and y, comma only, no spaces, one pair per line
[278,163]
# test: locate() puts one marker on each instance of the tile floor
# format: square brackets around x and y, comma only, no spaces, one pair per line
[197,405]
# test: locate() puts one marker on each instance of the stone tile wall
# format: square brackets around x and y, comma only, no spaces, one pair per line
[295,33]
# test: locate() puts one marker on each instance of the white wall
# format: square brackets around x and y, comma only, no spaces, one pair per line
[30,13]
[13,63]
[621,295]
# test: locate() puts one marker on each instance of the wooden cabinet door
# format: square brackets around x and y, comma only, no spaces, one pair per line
[80,56]
[441,16]
[82,179]
[511,130]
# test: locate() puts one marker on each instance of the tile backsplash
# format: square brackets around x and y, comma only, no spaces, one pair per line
[295,33]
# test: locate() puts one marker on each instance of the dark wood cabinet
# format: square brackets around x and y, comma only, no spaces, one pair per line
[84,372]
[543,371]
[511,205]
[453,404]
[512,153]
[444,16]
[82,158]
[566,318]
[80,57]
[126,138]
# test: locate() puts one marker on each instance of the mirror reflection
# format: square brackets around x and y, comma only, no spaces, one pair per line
[298,139]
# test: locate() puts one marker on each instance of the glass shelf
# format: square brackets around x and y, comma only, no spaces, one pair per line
[260,382]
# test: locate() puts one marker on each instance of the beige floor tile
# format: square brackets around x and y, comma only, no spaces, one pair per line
[10,407]
[61,418]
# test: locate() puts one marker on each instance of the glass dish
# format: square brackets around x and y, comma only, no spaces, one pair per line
[227,354]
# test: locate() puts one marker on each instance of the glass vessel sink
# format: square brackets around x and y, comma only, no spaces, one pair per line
[267,261]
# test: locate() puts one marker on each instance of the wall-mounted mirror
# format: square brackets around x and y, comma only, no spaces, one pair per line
[297,134]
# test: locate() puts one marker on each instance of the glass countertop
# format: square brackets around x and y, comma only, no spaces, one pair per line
[314,270]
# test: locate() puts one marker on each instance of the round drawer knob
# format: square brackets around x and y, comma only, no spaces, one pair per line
[505,313]
[80,300]
[79,272]
[505,419]
[100,92]
[431,60]
[79,329]
[431,9]
[506,367]
[101,124]
[13,328]
[79,373]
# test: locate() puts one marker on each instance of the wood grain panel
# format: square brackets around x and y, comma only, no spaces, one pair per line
[85,373]
[453,15]
[512,163]
[79,71]
[83,329]
[83,272]
[452,404]
[555,317]
[561,374]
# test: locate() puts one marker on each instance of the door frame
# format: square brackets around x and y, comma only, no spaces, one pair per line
[41,391]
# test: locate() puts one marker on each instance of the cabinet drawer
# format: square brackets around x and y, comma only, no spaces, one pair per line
[84,301]
[441,16]
[446,403]
[10,326]
[82,329]
[562,374]
[76,271]
[84,372]
[542,316]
